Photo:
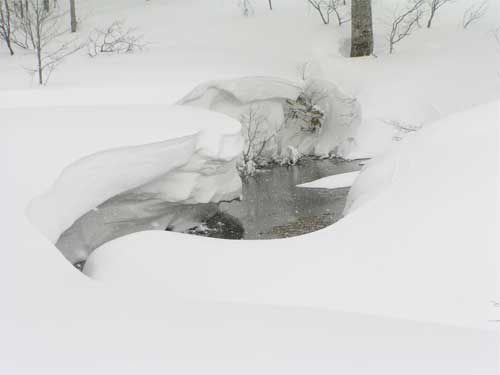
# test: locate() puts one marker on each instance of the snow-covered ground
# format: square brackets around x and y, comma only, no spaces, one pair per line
[402,284]
[175,155]
[175,303]
[433,73]
[406,232]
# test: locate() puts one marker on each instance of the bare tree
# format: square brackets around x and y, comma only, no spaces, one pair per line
[327,7]
[342,17]
[114,39]
[46,35]
[246,7]
[434,6]
[474,13]
[361,28]
[270,4]
[324,9]
[6,25]
[257,134]
[404,24]
[72,13]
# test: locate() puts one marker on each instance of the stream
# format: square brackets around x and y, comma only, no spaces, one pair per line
[272,206]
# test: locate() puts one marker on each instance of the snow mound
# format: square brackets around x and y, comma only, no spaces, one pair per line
[199,166]
[418,250]
[271,97]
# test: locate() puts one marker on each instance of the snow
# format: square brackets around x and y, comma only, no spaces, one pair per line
[332,182]
[269,97]
[415,86]
[55,320]
[402,284]
[401,238]
[176,154]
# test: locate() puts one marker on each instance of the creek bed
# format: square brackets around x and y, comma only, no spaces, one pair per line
[272,205]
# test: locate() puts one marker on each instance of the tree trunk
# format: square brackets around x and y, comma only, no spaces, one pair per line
[271,4]
[72,12]
[46,5]
[6,26]
[429,23]
[361,28]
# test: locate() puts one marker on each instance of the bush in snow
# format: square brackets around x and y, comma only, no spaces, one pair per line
[402,129]
[46,34]
[258,135]
[291,156]
[114,39]
[305,109]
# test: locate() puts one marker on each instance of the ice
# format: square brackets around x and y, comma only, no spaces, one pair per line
[333,182]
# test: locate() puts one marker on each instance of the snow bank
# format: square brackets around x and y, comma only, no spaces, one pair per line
[332,182]
[197,167]
[419,250]
[56,321]
[269,97]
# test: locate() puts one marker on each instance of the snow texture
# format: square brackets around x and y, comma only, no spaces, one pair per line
[401,285]
[333,182]
[399,236]
[199,167]
[269,97]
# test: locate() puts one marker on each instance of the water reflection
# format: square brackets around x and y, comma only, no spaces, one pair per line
[273,207]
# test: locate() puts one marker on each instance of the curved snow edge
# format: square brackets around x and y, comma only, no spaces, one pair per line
[90,181]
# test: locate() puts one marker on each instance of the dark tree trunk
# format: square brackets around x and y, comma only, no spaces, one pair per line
[429,23]
[46,5]
[271,4]
[361,28]
[72,12]
[6,26]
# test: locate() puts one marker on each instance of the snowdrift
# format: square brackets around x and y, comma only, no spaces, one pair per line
[271,97]
[404,254]
[197,167]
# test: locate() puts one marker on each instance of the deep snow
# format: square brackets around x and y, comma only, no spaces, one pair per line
[283,298]
[432,74]
[269,97]
[415,256]
[415,240]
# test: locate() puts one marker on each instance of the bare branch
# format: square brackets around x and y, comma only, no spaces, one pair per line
[434,6]
[474,13]
[114,39]
[404,24]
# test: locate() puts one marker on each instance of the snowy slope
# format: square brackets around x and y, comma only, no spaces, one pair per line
[413,258]
[432,74]
[175,154]
[269,97]
[418,250]
[54,320]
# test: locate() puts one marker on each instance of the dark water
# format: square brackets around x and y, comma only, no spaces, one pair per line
[273,207]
